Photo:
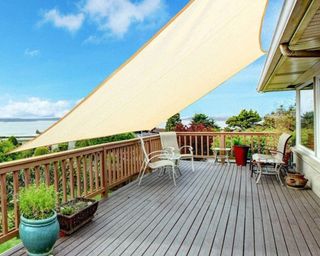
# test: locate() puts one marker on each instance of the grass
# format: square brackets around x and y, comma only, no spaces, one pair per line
[9,244]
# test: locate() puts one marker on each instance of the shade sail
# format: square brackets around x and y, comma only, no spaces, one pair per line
[204,45]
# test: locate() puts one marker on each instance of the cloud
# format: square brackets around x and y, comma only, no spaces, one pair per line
[70,22]
[94,40]
[35,107]
[116,16]
[31,53]
[111,17]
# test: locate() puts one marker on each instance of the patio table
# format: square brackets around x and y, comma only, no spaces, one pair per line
[217,154]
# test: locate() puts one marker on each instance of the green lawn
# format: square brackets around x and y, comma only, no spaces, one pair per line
[9,244]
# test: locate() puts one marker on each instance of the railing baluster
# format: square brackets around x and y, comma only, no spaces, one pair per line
[96,171]
[71,177]
[4,203]
[64,180]
[78,176]
[26,176]
[85,184]
[196,144]
[124,162]
[104,169]
[37,175]
[56,178]
[15,198]
[114,166]
[47,174]
[90,173]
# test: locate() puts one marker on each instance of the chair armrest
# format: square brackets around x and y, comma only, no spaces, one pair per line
[165,155]
[160,152]
[274,152]
[188,147]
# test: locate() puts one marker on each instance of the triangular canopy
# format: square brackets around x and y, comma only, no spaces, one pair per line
[201,47]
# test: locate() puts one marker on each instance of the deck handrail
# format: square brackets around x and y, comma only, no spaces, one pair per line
[93,170]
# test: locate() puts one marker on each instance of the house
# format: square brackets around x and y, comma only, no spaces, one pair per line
[293,63]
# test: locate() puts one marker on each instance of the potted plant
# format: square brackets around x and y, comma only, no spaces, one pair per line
[240,152]
[75,213]
[39,227]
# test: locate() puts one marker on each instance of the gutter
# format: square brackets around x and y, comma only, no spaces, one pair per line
[286,52]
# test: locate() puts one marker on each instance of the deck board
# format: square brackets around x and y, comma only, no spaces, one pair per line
[216,210]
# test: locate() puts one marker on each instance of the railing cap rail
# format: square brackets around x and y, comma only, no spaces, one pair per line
[72,152]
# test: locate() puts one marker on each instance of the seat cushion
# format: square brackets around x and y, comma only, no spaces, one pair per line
[160,163]
[262,158]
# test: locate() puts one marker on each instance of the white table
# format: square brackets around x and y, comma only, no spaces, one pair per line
[217,154]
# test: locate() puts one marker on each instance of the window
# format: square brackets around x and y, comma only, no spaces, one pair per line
[306,114]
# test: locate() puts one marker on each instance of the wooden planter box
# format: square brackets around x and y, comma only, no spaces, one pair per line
[70,223]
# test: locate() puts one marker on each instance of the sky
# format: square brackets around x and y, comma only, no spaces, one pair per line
[53,53]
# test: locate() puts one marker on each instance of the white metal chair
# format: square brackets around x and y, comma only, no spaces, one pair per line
[275,158]
[163,163]
[169,141]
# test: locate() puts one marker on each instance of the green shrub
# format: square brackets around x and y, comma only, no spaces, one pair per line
[37,202]
[67,210]
[13,140]
[41,151]
[118,137]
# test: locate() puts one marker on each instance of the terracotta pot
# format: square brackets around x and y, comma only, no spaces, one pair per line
[296,180]
[241,154]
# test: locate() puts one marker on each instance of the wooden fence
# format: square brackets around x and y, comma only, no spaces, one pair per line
[92,171]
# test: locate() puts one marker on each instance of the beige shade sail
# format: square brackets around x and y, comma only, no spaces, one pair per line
[200,48]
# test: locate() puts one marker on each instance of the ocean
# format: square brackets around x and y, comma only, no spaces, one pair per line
[29,128]
[23,128]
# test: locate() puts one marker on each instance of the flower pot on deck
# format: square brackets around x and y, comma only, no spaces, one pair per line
[39,236]
[241,154]
[71,223]
[296,180]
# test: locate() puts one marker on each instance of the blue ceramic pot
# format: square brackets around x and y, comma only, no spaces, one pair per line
[39,236]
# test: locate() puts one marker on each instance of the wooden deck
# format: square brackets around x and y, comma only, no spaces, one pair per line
[217,210]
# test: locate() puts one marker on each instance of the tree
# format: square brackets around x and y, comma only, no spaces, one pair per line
[13,140]
[245,120]
[172,122]
[202,119]
[283,120]
[307,120]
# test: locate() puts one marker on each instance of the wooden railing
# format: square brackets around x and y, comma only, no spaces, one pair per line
[94,170]
[84,172]
[203,142]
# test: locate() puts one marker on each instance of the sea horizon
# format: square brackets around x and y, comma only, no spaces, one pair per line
[28,127]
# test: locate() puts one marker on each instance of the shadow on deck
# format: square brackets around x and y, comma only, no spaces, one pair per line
[216,210]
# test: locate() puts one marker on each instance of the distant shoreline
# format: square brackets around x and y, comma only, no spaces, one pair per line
[28,119]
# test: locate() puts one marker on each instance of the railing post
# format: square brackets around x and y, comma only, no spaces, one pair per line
[104,174]
[222,145]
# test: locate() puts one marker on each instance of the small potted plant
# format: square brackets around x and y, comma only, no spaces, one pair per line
[240,152]
[39,227]
[75,213]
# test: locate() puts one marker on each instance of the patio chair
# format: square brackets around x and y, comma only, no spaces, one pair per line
[169,141]
[150,160]
[275,159]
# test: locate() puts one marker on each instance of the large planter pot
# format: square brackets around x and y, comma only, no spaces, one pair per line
[39,236]
[71,223]
[241,154]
